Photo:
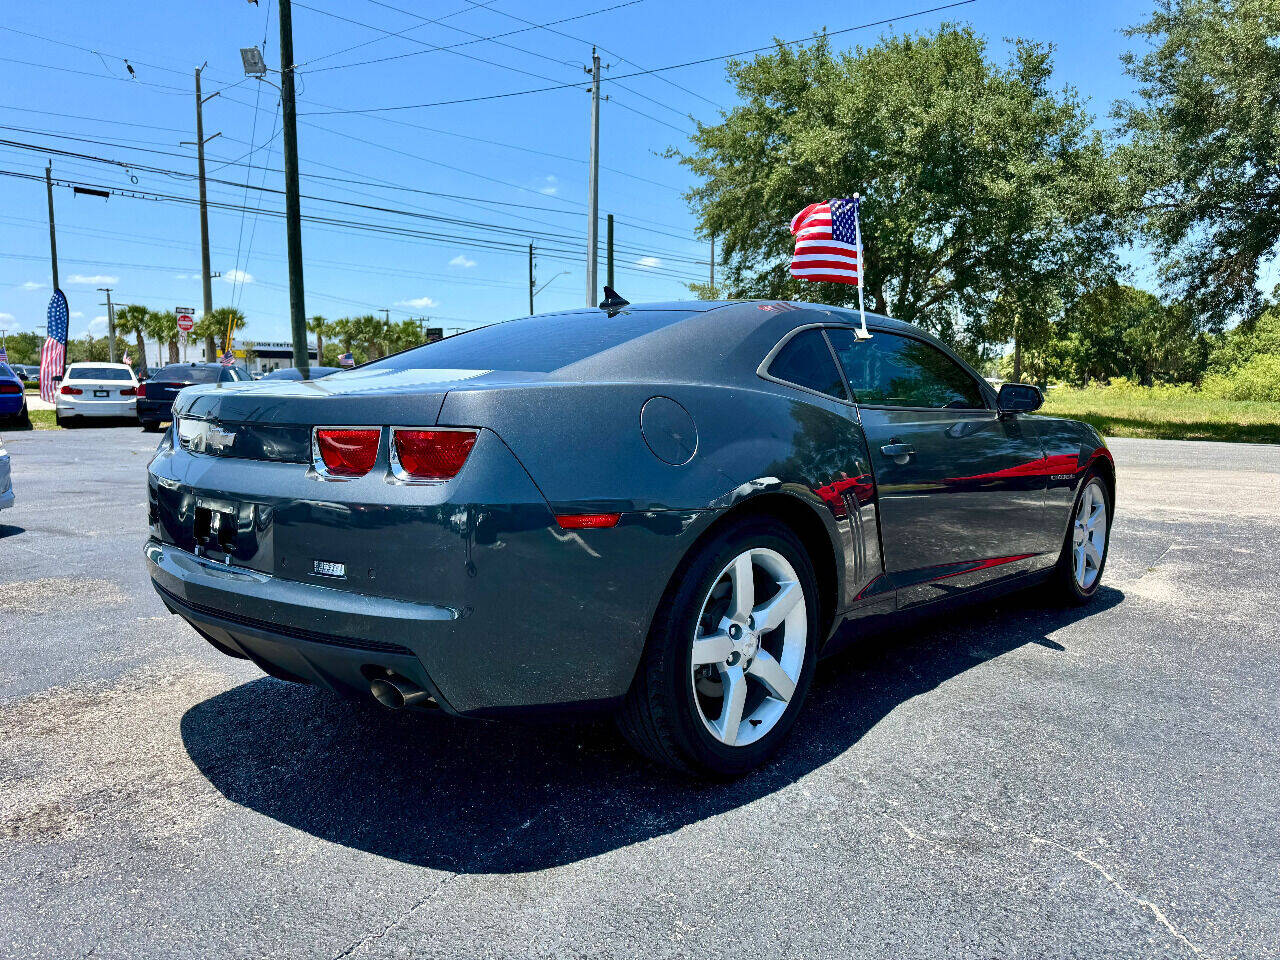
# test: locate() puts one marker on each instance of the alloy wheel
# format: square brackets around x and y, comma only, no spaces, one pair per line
[1089,536]
[749,647]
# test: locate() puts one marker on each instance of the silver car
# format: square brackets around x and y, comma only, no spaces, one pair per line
[6,480]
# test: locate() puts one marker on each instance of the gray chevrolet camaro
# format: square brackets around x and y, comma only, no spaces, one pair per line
[664,510]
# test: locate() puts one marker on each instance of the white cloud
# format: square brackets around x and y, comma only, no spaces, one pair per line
[462,260]
[237,276]
[551,188]
[98,322]
[76,313]
[7,318]
[420,302]
[184,276]
[32,285]
[648,263]
[96,278]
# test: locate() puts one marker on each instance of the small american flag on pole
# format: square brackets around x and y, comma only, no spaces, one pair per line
[4,356]
[346,360]
[54,352]
[829,246]
[827,242]
[228,359]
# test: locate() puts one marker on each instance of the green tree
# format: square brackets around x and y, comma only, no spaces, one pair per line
[1204,151]
[132,319]
[1120,331]
[24,347]
[1238,346]
[214,329]
[321,328]
[163,327]
[980,182]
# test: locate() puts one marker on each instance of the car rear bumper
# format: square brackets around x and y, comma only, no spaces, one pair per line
[11,404]
[155,411]
[296,631]
[469,588]
[80,407]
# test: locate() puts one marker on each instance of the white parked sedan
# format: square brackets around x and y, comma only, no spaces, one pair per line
[6,480]
[96,390]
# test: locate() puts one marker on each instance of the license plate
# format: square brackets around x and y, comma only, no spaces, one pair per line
[102,393]
[215,529]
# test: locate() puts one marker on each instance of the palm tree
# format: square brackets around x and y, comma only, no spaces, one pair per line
[320,327]
[132,318]
[344,331]
[217,324]
[164,328]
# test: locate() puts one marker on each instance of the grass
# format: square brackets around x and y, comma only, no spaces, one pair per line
[43,420]
[1167,413]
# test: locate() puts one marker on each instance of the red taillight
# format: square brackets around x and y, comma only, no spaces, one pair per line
[348,453]
[71,391]
[142,390]
[433,454]
[587,521]
[129,392]
[10,387]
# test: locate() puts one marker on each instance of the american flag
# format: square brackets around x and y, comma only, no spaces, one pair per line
[346,360]
[228,359]
[828,242]
[4,357]
[127,359]
[54,352]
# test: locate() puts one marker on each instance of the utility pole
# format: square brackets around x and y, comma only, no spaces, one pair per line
[53,235]
[593,182]
[205,276]
[292,204]
[111,325]
[531,279]
[713,264]
[608,251]
[386,315]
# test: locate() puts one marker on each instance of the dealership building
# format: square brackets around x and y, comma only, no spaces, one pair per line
[271,355]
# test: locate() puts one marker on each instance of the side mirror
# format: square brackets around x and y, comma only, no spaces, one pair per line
[1019,398]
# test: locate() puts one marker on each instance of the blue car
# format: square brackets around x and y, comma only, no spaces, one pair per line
[13,398]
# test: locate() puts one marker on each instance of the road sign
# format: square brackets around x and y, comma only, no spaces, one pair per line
[186,319]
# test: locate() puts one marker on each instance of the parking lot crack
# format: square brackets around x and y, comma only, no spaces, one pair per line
[1124,891]
[399,921]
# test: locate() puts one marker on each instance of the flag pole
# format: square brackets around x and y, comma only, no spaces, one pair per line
[862,333]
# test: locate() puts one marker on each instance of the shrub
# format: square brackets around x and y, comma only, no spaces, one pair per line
[1256,379]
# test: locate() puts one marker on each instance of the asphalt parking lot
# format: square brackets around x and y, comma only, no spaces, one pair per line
[1012,782]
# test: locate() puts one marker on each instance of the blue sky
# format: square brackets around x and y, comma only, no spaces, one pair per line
[506,170]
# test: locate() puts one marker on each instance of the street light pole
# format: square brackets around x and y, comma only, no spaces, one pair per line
[292,203]
[593,182]
[111,325]
[53,234]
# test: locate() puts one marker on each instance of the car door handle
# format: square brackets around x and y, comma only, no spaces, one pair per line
[898,450]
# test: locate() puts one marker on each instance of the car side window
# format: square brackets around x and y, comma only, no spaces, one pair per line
[895,371]
[806,361]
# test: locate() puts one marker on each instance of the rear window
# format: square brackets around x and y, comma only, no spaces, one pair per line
[532,344]
[806,361]
[185,373]
[98,373]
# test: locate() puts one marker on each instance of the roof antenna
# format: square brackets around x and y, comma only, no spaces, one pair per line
[612,301]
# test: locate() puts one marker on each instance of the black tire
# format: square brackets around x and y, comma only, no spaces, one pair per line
[659,716]
[1062,585]
[61,421]
[150,426]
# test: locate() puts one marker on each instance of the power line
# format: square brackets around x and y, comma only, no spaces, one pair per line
[565,249]
[465,43]
[655,70]
[431,47]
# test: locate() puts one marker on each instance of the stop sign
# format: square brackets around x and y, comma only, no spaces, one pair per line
[186,322]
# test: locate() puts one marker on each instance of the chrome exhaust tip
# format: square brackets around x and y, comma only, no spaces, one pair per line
[397,693]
